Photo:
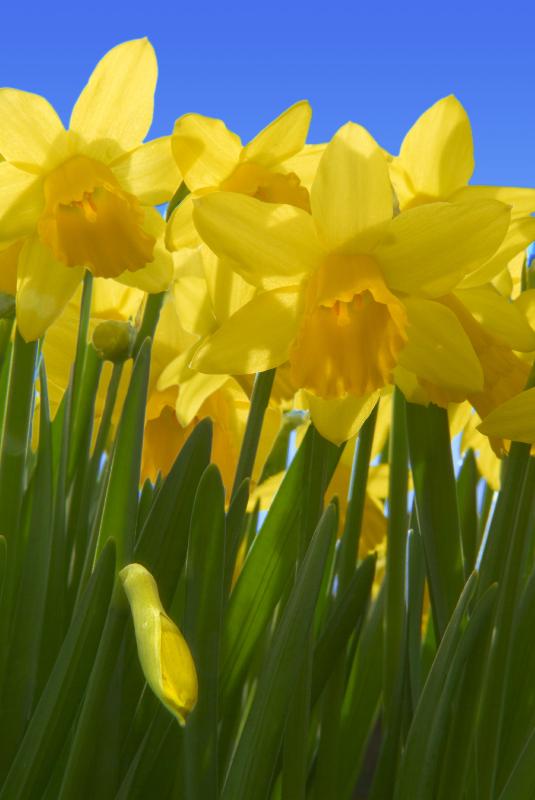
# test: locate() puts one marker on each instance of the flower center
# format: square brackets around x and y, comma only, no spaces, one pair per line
[89,221]
[264,184]
[352,332]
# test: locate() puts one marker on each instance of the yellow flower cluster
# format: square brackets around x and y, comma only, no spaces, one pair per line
[348,269]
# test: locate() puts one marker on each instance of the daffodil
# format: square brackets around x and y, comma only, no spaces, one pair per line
[436,162]
[163,652]
[513,420]
[275,166]
[348,291]
[82,198]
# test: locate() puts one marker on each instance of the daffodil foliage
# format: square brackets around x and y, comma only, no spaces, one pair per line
[267,498]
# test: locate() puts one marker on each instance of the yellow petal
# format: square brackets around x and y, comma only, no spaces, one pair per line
[31,131]
[514,420]
[256,338]
[339,420]
[117,103]
[205,150]
[522,200]
[520,234]
[193,393]
[190,292]
[351,191]
[45,286]
[21,202]
[438,349]
[272,245]
[158,274]
[110,300]
[149,172]
[429,249]
[282,138]
[181,231]
[437,153]
[163,652]
[525,302]
[227,290]
[499,317]
[305,163]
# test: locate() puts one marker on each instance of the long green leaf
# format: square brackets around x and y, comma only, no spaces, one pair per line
[251,769]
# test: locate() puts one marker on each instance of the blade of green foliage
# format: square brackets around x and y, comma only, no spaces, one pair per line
[436,504]
[205,572]
[162,543]
[467,499]
[252,766]
[346,616]
[266,571]
[259,401]
[411,769]
[45,735]
[20,685]
[361,700]
[119,515]
[521,782]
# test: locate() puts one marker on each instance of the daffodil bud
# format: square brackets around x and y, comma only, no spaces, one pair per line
[164,655]
[113,340]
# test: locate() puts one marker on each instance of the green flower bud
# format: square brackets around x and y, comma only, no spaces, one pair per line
[163,653]
[114,340]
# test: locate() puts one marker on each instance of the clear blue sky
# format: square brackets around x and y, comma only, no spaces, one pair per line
[380,64]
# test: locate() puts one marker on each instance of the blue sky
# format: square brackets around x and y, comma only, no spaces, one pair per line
[380,64]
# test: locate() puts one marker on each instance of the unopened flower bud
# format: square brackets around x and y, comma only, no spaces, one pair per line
[163,653]
[114,340]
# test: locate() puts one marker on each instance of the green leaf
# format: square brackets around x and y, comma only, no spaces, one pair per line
[521,782]
[436,505]
[163,541]
[347,615]
[252,766]
[467,498]
[45,735]
[267,570]
[27,633]
[205,573]
[259,401]
[411,773]
[119,515]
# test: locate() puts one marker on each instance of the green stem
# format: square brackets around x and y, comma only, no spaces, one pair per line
[151,315]
[259,402]
[356,499]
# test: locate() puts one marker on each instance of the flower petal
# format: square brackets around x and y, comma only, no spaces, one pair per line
[31,130]
[438,349]
[205,150]
[227,290]
[351,191]
[437,153]
[256,338]
[305,163]
[428,249]
[181,231]
[117,103]
[522,200]
[514,420]
[45,286]
[282,138]
[158,274]
[21,202]
[149,172]
[520,234]
[192,394]
[499,317]
[190,292]
[272,245]
[9,259]
[340,420]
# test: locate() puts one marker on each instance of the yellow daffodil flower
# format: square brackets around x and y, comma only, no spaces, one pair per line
[436,162]
[81,198]
[514,419]
[212,158]
[163,652]
[348,291]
